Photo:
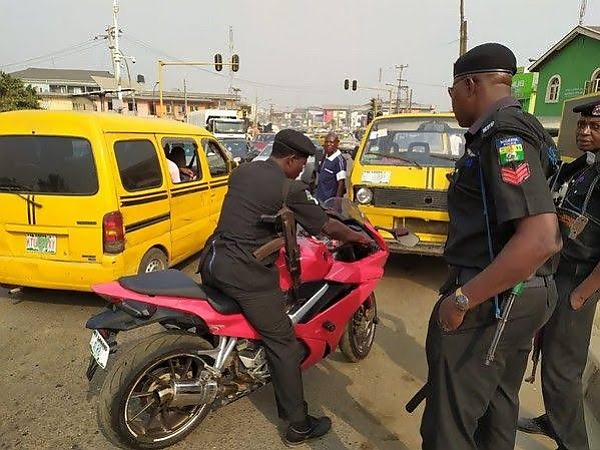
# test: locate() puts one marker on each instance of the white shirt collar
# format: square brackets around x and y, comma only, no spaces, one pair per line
[334,155]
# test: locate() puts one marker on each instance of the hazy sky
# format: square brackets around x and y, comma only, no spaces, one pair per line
[294,52]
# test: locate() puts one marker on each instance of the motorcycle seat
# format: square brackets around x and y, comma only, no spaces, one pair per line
[173,283]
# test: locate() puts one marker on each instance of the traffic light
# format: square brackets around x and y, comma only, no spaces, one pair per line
[346,84]
[354,85]
[235,63]
[218,62]
[373,105]
[369,117]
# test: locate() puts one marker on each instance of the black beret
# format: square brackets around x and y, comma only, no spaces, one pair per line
[484,58]
[591,109]
[294,140]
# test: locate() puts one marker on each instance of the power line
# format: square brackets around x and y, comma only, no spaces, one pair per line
[162,53]
[76,48]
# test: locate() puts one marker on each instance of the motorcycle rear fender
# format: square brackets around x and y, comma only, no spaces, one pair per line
[129,315]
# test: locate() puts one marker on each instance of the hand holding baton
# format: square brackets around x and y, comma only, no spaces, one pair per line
[516,292]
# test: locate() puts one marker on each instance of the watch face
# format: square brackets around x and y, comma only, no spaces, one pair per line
[462,302]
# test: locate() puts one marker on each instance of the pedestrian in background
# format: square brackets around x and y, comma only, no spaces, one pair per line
[332,175]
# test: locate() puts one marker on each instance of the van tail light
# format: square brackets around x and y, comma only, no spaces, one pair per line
[113,233]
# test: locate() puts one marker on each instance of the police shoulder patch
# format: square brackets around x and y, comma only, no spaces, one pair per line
[510,150]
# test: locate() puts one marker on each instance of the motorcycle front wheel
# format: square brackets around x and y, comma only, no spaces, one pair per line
[358,338]
[130,411]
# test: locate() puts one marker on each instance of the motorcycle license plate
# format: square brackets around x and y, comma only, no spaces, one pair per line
[99,349]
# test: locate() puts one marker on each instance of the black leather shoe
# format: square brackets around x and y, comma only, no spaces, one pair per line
[318,427]
[537,425]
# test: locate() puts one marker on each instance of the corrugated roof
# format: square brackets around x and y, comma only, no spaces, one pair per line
[36,73]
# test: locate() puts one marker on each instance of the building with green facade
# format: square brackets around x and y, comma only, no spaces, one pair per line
[570,69]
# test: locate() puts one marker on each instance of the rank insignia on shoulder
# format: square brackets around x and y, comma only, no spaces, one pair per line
[515,175]
[510,150]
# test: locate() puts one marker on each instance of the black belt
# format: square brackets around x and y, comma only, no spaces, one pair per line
[464,274]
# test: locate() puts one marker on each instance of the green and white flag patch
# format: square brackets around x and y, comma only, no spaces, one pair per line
[510,150]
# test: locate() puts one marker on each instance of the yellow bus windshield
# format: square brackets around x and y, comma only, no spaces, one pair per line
[414,141]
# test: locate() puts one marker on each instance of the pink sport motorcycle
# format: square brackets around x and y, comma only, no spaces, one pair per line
[158,390]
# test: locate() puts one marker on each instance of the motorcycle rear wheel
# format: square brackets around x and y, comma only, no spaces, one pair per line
[129,411]
[359,335]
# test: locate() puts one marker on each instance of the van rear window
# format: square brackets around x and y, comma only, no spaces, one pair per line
[47,165]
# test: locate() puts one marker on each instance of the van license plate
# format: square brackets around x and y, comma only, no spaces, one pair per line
[99,349]
[41,243]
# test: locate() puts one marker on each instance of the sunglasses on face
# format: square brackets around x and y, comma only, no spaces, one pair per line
[456,83]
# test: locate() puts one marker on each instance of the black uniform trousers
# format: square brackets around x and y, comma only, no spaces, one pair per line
[470,405]
[256,289]
[564,355]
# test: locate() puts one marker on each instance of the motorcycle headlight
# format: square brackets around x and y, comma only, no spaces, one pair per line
[364,195]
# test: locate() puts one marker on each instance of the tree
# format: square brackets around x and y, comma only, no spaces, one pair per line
[15,95]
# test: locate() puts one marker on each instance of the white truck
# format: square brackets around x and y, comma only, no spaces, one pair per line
[222,123]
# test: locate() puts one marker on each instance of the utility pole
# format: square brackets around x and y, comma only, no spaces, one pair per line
[231,52]
[116,53]
[185,102]
[401,88]
[463,29]
[582,12]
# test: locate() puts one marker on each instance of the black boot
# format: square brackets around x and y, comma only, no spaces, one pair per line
[538,425]
[298,434]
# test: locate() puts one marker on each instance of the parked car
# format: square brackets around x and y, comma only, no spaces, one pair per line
[239,149]
[261,141]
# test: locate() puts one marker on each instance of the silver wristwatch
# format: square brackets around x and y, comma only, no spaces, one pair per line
[461,300]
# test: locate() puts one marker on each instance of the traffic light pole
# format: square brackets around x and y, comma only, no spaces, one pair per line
[389,91]
[161,64]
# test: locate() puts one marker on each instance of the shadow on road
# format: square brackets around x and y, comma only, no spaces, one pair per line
[427,271]
[57,297]
[338,400]
[403,349]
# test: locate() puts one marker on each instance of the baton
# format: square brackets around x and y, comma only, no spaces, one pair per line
[417,399]
[516,291]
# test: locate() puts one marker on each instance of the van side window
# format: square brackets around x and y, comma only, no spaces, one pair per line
[184,153]
[217,162]
[138,165]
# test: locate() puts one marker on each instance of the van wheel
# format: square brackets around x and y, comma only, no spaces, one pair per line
[153,261]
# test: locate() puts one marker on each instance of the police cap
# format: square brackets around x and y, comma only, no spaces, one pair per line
[591,109]
[294,140]
[484,58]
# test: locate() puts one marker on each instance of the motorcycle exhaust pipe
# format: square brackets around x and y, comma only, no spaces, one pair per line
[197,392]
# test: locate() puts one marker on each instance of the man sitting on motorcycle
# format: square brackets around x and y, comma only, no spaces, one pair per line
[255,190]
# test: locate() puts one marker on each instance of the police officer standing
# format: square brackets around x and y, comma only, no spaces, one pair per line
[501,176]
[230,264]
[566,336]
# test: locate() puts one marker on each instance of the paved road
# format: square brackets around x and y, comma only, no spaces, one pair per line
[43,391]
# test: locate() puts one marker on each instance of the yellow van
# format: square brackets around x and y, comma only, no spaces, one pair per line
[86,197]
[400,173]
